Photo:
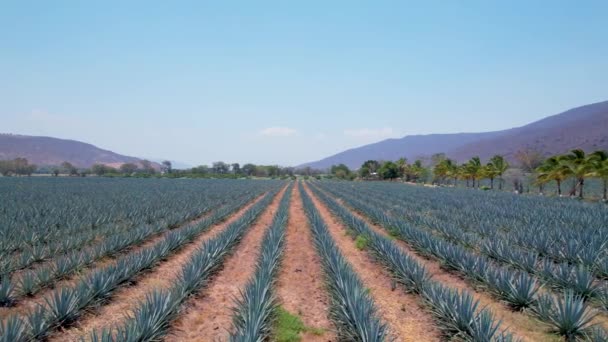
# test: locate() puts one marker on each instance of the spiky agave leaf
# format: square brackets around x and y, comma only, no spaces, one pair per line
[38,323]
[486,328]
[569,315]
[63,306]
[105,335]
[12,329]
[152,316]
[7,292]
[518,290]
[583,283]
[28,283]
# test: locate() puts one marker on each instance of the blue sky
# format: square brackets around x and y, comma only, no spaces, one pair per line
[288,82]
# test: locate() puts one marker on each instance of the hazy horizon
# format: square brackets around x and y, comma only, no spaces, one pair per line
[286,83]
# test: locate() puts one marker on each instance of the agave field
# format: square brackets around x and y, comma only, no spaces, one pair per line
[269,260]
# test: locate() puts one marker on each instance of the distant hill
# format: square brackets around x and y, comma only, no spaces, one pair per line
[53,151]
[583,127]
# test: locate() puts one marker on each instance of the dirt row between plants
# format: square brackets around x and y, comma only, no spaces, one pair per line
[125,299]
[520,324]
[300,284]
[401,311]
[26,304]
[208,315]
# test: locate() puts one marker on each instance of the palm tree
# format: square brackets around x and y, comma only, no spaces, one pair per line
[554,169]
[489,171]
[463,173]
[501,166]
[599,161]
[541,180]
[453,171]
[580,167]
[443,169]
[450,169]
[474,169]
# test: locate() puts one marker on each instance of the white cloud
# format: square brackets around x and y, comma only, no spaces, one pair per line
[277,131]
[368,133]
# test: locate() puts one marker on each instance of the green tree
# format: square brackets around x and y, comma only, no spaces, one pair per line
[200,170]
[444,169]
[473,169]
[236,168]
[599,160]
[414,171]
[501,166]
[100,169]
[341,171]
[364,172]
[553,169]
[248,169]
[581,167]
[220,167]
[401,166]
[22,167]
[388,170]
[490,172]
[273,170]
[128,168]
[372,165]
[69,169]
[167,166]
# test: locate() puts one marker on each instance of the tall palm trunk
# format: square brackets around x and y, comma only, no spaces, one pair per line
[581,183]
[500,183]
[491,183]
[573,189]
[559,187]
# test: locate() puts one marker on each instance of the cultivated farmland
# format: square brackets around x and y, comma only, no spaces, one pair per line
[253,260]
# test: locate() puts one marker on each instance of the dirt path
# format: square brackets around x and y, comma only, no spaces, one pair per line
[209,314]
[300,285]
[125,299]
[522,325]
[406,319]
[28,303]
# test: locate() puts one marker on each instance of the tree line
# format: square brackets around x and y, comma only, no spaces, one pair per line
[383,170]
[572,168]
[17,166]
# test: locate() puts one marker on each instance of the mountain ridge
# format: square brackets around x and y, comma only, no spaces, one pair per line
[583,127]
[44,150]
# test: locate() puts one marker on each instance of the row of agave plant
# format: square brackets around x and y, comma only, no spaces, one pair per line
[48,246]
[578,250]
[40,214]
[567,314]
[254,310]
[152,316]
[563,277]
[562,230]
[351,308]
[33,281]
[39,253]
[66,304]
[458,312]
